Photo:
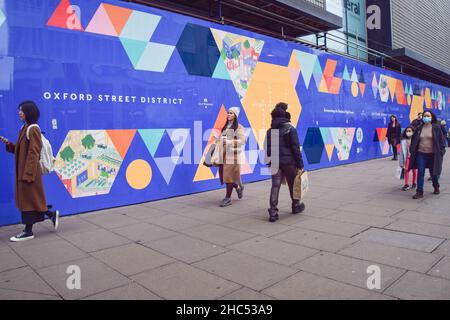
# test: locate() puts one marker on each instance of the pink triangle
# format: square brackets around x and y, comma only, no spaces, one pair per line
[101,23]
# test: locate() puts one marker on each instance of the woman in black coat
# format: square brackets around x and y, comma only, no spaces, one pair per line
[427,151]
[394,133]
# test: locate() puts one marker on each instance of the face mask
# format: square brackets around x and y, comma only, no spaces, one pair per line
[426,119]
[409,134]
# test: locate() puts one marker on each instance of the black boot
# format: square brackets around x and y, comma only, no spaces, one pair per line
[273,215]
[436,190]
[298,208]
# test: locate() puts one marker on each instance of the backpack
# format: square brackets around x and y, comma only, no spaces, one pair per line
[46,159]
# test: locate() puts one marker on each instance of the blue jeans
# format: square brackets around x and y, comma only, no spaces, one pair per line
[425,160]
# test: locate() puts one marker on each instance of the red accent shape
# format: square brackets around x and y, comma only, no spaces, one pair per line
[330,67]
[121,140]
[335,86]
[329,82]
[400,93]
[381,132]
[65,17]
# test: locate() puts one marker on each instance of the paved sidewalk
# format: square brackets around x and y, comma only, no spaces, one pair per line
[189,248]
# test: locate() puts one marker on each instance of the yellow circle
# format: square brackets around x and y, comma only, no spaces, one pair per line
[355,89]
[139,174]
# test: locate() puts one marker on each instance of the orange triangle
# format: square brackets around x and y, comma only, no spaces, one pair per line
[335,85]
[203,172]
[381,132]
[118,16]
[329,148]
[323,86]
[362,86]
[121,140]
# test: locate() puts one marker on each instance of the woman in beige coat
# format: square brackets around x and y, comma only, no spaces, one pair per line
[29,189]
[231,143]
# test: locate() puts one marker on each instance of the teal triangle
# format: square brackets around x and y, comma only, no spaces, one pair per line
[317,73]
[326,135]
[134,49]
[354,76]
[346,75]
[151,138]
[307,62]
[167,166]
[221,71]
[166,147]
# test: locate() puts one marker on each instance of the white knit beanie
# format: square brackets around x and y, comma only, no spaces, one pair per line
[235,110]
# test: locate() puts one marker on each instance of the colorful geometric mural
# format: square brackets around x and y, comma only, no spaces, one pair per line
[126,51]
[133,28]
[239,55]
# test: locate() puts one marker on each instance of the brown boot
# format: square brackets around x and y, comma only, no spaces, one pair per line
[418,195]
[436,190]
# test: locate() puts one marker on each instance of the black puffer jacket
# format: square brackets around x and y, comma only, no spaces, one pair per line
[288,144]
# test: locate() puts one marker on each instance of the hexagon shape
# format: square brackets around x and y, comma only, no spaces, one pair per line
[313,145]
[88,161]
[198,50]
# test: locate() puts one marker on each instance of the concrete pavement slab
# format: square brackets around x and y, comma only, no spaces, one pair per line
[184,282]
[132,258]
[246,270]
[401,239]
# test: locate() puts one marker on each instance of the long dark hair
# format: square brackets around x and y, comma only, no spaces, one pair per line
[31,112]
[433,116]
[404,136]
[234,126]
[396,121]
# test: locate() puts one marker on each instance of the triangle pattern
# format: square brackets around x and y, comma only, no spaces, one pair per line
[101,24]
[117,15]
[329,148]
[122,140]
[221,72]
[134,49]
[166,166]
[346,75]
[307,64]
[317,73]
[61,19]
[204,173]
[152,139]
[362,86]
[354,77]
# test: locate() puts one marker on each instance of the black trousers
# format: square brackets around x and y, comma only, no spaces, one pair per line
[289,172]
[32,217]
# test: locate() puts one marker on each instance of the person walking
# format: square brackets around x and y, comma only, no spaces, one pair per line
[231,143]
[393,135]
[417,122]
[427,151]
[283,150]
[29,189]
[405,159]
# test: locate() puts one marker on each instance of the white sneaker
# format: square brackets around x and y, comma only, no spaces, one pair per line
[23,236]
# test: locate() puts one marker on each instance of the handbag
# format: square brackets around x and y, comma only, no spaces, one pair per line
[208,156]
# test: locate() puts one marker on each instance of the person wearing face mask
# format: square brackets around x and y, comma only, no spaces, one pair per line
[427,151]
[405,159]
[393,135]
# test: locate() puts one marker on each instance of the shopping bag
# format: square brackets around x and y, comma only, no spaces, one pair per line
[216,158]
[398,173]
[402,176]
[301,185]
